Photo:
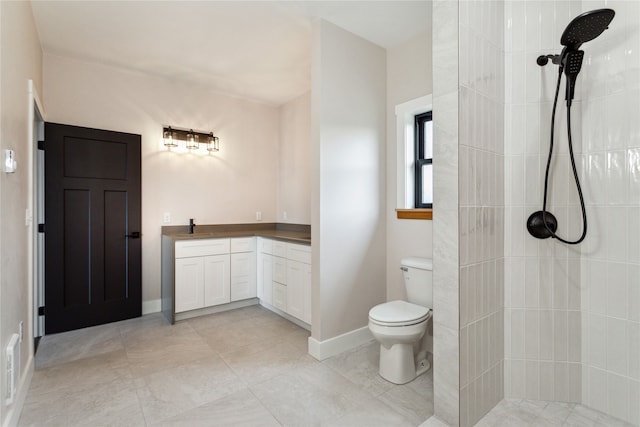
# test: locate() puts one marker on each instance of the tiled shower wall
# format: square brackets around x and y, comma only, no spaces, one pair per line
[481,197]
[611,252]
[572,325]
[542,285]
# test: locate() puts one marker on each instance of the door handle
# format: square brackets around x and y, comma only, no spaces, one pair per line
[133,235]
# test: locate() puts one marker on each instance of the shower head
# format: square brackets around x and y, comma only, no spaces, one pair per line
[586,27]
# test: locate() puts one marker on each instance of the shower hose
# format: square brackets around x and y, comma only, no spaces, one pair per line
[573,167]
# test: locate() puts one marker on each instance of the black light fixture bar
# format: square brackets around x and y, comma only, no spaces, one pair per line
[192,138]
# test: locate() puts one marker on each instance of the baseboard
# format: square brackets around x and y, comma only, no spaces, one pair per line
[15,410]
[324,349]
[151,306]
[216,309]
[290,318]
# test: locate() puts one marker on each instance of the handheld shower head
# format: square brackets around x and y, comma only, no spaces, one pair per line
[586,27]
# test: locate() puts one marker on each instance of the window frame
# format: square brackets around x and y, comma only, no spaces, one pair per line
[419,157]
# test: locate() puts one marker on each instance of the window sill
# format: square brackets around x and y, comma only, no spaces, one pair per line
[426,214]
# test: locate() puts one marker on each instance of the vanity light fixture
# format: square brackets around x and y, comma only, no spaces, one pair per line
[170,137]
[213,143]
[192,139]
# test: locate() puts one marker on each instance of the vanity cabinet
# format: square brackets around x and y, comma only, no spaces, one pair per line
[284,277]
[210,272]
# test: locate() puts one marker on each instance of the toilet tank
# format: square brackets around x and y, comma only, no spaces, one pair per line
[418,280]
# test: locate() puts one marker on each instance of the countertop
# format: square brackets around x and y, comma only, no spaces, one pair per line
[294,233]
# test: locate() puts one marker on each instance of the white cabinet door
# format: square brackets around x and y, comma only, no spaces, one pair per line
[216,279]
[243,276]
[189,284]
[295,289]
[280,296]
[265,277]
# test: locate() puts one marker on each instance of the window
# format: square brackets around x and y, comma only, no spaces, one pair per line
[407,148]
[423,160]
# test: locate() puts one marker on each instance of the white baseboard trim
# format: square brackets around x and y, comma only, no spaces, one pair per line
[15,410]
[290,318]
[152,306]
[324,349]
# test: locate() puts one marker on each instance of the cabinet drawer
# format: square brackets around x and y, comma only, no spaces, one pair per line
[280,296]
[243,244]
[279,248]
[265,245]
[300,253]
[201,247]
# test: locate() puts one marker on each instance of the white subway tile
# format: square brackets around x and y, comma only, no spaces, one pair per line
[532,334]
[560,335]
[617,289]
[633,278]
[560,283]
[574,336]
[617,346]
[597,341]
[547,380]
[617,402]
[546,335]
[634,350]
[532,376]
[561,381]
[517,334]
[617,178]
[597,395]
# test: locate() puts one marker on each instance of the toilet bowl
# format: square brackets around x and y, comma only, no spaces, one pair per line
[399,326]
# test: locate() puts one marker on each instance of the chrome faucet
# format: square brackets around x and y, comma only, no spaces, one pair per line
[191,225]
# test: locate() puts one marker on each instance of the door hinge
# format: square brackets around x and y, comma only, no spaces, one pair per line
[41,311]
[40,228]
[40,145]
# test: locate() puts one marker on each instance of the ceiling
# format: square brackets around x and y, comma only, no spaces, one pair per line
[253,49]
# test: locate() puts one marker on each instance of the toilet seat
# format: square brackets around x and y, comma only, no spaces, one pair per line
[398,313]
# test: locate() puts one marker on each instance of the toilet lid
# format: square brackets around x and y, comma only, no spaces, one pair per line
[398,312]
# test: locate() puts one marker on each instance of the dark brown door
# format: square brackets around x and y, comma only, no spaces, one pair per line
[92,227]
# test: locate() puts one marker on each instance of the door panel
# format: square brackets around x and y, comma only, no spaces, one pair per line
[77,251]
[92,203]
[115,247]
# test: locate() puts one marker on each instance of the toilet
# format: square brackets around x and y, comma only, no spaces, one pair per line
[400,326]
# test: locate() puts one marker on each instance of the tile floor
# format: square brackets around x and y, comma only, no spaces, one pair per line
[533,413]
[244,367]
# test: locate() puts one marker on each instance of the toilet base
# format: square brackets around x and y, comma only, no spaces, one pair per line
[396,363]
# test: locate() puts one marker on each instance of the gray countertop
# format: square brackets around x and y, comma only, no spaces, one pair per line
[288,232]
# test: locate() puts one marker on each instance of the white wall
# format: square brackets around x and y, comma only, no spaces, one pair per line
[294,163]
[348,179]
[408,77]
[228,187]
[20,60]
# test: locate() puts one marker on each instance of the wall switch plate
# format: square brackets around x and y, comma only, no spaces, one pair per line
[258,216]
[166,217]
[28,217]
[9,164]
